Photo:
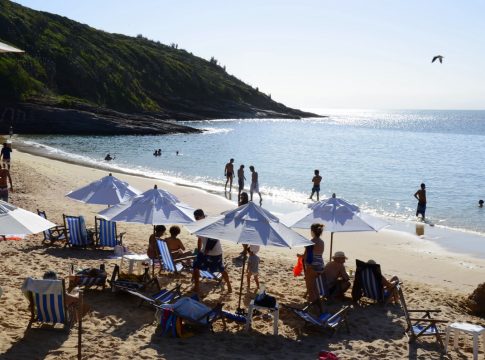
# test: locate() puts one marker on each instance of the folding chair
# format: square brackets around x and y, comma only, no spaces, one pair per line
[76,231]
[57,233]
[326,321]
[422,326]
[164,296]
[168,263]
[106,234]
[46,302]
[368,282]
[127,284]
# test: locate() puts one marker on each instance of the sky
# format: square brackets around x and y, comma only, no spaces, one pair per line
[316,54]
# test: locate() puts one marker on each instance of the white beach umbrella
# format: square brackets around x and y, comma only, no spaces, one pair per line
[14,220]
[337,215]
[108,190]
[154,207]
[249,224]
[4,48]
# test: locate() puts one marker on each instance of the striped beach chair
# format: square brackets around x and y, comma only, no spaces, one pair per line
[321,284]
[164,296]
[47,302]
[106,233]
[168,263]
[368,282]
[57,233]
[325,321]
[77,234]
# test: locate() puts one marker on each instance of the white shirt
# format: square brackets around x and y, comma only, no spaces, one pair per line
[215,251]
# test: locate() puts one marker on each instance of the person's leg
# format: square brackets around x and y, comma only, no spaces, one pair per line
[260,198]
[310,276]
[318,195]
[230,183]
[248,277]
[256,280]
[311,196]
[225,276]
[227,180]
[196,277]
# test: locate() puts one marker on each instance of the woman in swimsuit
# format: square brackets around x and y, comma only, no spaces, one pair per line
[313,259]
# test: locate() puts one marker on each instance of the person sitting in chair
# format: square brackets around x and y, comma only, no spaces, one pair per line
[389,286]
[175,245]
[336,275]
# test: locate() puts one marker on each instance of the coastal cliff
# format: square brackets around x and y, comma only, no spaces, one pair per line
[76,79]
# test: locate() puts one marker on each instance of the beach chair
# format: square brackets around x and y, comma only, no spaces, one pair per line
[106,234]
[191,311]
[424,325]
[77,234]
[368,282]
[163,296]
[46,302]
[130,282]
[168,263]
[326,322]
[57,233]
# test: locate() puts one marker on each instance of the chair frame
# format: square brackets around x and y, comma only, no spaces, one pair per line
[68,231]
[426,320]
[68,319]
[119,237]
[158,298]
[55,233]
[326,326]
[125,285]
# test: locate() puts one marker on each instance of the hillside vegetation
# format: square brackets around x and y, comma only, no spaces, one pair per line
[71,65]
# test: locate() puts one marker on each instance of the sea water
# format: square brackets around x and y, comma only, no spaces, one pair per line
[375,159]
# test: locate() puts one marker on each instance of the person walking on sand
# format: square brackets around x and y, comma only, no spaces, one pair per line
[254,184]
[4,180]
[420,195]
[229,174]
[317,179]
[240,180]
[5,154]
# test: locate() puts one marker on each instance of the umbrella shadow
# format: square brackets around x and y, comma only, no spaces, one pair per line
[80,253]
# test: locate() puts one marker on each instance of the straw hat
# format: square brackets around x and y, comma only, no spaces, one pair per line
[339,254]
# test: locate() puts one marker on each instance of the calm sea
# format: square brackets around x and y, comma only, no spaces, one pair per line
[373,158]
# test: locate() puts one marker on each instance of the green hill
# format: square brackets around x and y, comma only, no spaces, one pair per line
[73,66]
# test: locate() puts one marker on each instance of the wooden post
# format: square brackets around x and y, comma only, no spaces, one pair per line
[80,325]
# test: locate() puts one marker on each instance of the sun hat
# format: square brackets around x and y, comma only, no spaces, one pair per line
[339,254]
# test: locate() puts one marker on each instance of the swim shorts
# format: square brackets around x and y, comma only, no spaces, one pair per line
[254,187]
[316,188]
[421,209]
[4,193]
[209,263]
[229,174]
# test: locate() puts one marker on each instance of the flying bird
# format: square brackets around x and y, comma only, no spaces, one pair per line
[438,57]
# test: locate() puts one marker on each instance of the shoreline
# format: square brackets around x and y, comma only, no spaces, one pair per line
[399,252]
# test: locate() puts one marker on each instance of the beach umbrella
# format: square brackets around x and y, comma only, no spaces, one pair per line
[154,207]
[108,190]
[248,224]
[14,220]
[4,48]
[337,215]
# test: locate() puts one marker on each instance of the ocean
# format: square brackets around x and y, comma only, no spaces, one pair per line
[375,159]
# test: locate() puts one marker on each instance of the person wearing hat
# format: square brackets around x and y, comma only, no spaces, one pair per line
[338,281]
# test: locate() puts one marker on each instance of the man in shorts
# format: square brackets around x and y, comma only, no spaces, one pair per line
[229,174]
[420,195]
[338,281]
[240,180]
[209,257]
[5,154]
[4,180]
[254,184]
[317,179]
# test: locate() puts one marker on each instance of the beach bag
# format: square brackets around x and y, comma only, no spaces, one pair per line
[265,300]
[170,323]
[327,355]
[298,268]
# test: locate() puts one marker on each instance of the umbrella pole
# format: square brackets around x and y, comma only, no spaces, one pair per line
[331,244]
[239,309]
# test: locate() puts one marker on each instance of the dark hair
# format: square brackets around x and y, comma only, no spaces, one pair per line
[251,167]
[317,172]
[241,167]
[317,229]
[231,160]
[160,228]
[244,198]
[174,230]
[199,213]
[50,275]
[423,186]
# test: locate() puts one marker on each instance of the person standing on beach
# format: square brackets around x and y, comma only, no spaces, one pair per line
[10,131]
[240,180]
[254,184]
[317,179]
[420,195]
[229,174]
[5,154]
[4,180]
[313,258]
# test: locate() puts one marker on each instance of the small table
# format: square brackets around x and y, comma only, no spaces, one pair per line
[275,311]
[475,330]
[135,262]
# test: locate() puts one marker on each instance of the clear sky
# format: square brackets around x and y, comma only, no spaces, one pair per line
[318,53]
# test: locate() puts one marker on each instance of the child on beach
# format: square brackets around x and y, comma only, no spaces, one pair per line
[317,179]
[253,266]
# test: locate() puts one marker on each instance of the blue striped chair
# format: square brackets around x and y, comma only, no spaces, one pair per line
[322,288]
[57,233]
[47,302]
[368,282]
[106,233]
[325,321]
[168,263]
[77,234]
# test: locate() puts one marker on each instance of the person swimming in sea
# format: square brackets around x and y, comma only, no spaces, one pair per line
[108,157]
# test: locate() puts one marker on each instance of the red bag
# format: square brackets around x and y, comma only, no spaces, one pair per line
[298,269]
[327,355]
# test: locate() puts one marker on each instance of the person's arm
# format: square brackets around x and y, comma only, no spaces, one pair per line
[343,273]
[416,195]
[199,244]
[181,244]
[225,170]
[10,180]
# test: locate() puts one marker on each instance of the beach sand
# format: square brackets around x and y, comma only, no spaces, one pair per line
[118,328]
